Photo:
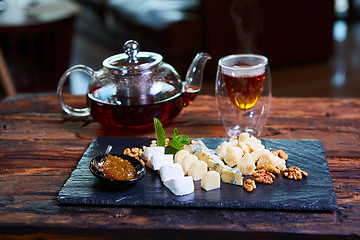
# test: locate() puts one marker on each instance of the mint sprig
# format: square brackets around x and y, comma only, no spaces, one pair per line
[175,144]
[160,133]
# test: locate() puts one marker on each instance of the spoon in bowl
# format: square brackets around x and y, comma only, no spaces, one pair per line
[98,164]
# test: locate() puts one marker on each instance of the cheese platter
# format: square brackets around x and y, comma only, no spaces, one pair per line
[313,193]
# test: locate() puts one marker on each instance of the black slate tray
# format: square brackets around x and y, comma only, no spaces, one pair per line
[314,193]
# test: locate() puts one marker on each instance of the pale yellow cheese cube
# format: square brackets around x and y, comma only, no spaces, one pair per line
[186,163]
[244,137]
[233,155]
[181,155]
[221,149]
[197,170]
[269,158]
[210,181]
[246,165]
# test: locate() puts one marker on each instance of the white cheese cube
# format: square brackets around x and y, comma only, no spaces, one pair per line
[210,181]
[150,151]
[181,155]
[180,186]
[186,163]
[171,171]
[157,161]
[197,170]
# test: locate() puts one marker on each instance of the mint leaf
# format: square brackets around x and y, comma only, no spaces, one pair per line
[175,132]
[160,133]
[183,139]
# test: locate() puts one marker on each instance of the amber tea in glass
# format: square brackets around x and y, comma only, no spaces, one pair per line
[243,93]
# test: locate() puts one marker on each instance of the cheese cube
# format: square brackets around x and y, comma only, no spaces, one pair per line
[233,155]
[197,170]
[246,165]
[268,158]
[244,147]
[231,175]
[221,149]
[181,155]
[171,171]
[186,163]
[255,144]
[210,181]
[150,151]
[180,186]
[244,137]
[157,161]
[215,165]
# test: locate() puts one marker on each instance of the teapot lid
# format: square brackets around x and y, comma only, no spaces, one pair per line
[132,58]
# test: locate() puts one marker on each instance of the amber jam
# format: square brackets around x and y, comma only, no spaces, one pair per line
[118,168]
[244,91]
[189,95]
[112,109]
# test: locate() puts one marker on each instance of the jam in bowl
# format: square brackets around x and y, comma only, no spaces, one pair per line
[117,170]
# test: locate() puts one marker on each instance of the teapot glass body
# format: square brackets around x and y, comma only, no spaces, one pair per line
[133,88]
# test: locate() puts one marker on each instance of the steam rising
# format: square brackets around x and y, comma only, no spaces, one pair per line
[249,24]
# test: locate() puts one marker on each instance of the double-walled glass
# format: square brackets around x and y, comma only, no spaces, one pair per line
[243,93]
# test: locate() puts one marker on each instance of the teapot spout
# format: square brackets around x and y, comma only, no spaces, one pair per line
[194,75]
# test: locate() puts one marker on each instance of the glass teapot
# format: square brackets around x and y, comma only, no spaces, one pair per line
[134,87]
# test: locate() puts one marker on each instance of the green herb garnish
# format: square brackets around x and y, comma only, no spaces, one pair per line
[175,144]
[160,133]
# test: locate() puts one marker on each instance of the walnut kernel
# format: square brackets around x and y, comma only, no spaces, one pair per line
[294,173]
[134,152]
[281,154]
[262,176]
[249,185]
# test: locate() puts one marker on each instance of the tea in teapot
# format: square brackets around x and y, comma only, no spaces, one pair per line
[134,87]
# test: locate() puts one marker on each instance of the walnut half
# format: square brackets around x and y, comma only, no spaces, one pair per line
[281,154]
[262,176]
[294,173]
[249,185]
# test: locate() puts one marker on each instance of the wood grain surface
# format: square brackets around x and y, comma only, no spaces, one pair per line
[40,146]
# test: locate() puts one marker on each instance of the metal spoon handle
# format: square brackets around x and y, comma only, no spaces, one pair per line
[106,154]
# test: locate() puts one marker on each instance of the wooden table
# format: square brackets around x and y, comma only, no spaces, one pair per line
[40,146]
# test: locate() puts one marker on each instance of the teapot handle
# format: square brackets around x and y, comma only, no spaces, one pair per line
[78,112]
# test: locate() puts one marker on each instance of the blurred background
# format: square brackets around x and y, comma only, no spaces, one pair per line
[313,47]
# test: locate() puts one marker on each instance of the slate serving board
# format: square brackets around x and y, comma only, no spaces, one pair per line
[314,193]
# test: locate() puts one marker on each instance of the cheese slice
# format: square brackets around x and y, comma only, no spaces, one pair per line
[157,161]
[171,171]
[150,151]
[210,181]
[180,186]
[197,170]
